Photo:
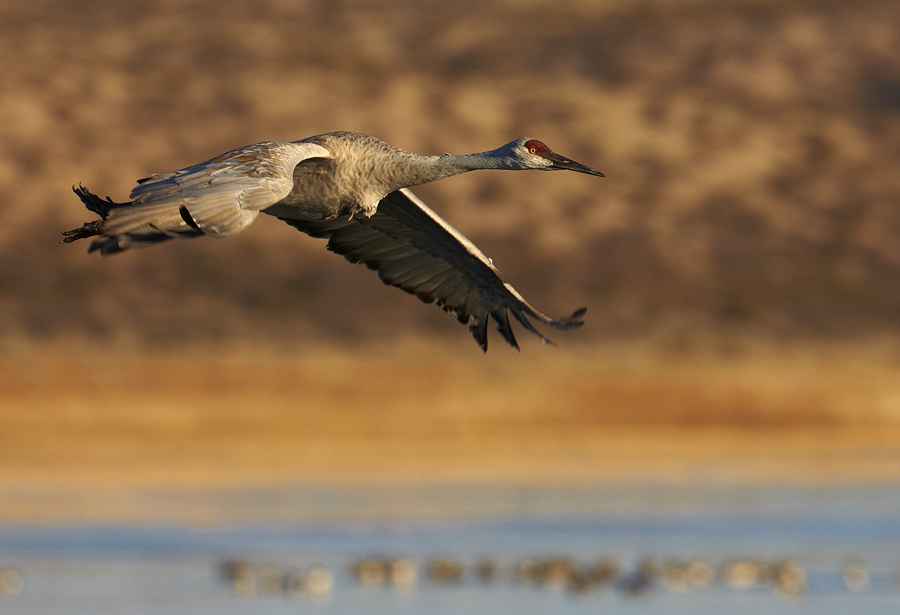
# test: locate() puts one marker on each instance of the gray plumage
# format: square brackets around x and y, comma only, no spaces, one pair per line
[351,189]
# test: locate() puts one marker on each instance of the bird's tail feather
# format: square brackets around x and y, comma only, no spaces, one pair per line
[127,225]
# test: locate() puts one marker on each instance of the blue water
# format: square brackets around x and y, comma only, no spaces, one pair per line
[176,569]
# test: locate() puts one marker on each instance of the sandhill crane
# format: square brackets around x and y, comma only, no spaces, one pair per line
[352,189]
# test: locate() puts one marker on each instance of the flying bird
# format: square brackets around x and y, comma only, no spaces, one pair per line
[352,189]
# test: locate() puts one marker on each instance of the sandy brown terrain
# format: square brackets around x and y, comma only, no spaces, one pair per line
[84,423]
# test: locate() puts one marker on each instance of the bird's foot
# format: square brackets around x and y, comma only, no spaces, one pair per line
[89,229]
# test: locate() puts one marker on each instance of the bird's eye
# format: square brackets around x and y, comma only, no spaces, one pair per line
[536,147]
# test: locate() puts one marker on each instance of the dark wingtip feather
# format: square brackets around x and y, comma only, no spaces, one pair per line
[478,328]
[500,317]
[572,322]
[523,320]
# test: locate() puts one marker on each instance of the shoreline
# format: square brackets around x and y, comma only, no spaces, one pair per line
[413,415]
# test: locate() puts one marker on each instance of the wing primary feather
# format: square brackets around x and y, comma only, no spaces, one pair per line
[570,322]
[502,321]
[523,320]
[478,328]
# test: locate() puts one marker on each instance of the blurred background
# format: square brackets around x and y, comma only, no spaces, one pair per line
[740,262]
[750,148]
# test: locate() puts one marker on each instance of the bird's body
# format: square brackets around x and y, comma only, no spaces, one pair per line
[350,188]
[357,173]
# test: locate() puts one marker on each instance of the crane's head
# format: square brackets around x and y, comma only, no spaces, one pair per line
[533,154]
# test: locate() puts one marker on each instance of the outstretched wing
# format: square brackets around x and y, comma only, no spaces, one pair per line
[412,248]
[219,197]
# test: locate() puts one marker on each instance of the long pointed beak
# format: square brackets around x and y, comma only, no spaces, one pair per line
[561,163]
